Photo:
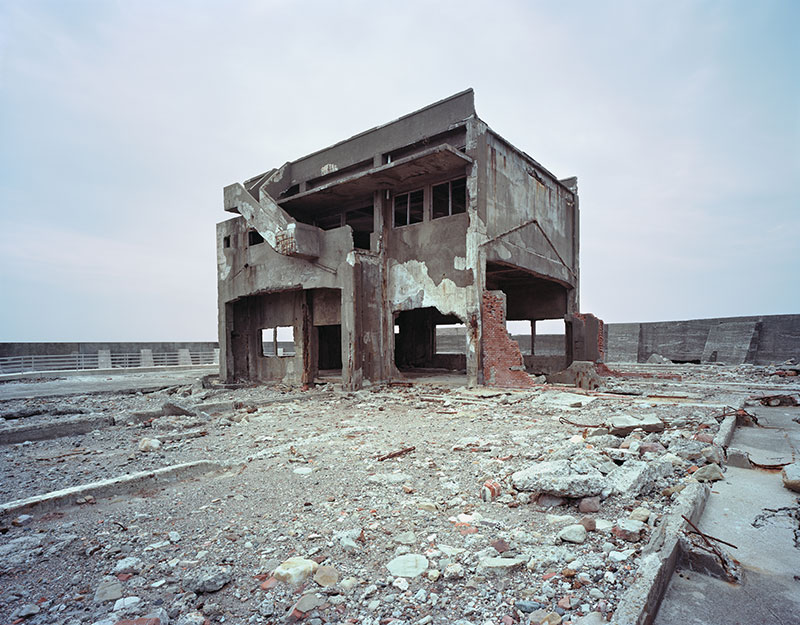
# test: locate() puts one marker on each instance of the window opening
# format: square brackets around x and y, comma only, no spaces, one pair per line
[278,341]
[254,238]
[408,208]
[451,338]
[449,198]
[226,241]
[362,221]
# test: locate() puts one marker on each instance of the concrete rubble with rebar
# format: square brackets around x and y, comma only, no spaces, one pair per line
[198,503]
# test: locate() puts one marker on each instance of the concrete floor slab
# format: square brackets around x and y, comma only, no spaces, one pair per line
[751,509]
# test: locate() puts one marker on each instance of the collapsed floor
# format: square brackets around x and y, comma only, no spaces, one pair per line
[425,503]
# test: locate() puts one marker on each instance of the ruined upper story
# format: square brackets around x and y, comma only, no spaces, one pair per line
[408,189]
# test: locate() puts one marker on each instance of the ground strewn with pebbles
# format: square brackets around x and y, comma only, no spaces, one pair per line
[513,506]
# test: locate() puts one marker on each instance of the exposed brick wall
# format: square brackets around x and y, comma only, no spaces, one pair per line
[502,361]
[590,323]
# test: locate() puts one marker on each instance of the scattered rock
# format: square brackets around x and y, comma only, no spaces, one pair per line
[573,534]
[131,564]
[709,473]
[589,504]
[791,476]
[640,514]
[622,425]
[629,530]
[501,565]
[208,579]
[556,477]
[149,444]
[326,576]
[22,519]
[408,565]
[109,589]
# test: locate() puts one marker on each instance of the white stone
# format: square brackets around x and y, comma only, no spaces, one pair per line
[125,602]
[573,534]
[620,556]
[149,444]
[131,564]
[408,565]
[295,570]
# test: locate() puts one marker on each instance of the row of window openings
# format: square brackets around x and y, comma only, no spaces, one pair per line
[448,198]
[450,338]
[253,238]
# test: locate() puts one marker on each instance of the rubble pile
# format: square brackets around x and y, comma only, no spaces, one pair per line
[395,504]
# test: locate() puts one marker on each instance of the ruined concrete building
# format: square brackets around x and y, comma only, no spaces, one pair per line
[348,259]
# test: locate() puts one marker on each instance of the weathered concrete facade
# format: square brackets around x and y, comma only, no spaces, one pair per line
[357,252]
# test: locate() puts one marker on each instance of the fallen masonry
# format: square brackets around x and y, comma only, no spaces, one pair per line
[423,503]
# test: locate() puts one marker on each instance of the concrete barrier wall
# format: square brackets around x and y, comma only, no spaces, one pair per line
[760,340]
[57,349]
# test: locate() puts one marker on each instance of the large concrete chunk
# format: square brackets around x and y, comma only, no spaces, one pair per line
[623,425]
[557,477]
[636,476]
[791,476]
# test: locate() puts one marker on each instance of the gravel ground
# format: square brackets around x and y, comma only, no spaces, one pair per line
[408,539]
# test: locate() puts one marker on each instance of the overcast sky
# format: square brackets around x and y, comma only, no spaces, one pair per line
[120,123]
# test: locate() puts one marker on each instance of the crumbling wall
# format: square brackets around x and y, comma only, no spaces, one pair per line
[502,360]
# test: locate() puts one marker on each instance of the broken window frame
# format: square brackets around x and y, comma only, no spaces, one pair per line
[449,184]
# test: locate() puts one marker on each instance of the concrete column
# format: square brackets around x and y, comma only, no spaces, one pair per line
[184,357]
[146,358]
[351,332]
[216,356]
[104,359]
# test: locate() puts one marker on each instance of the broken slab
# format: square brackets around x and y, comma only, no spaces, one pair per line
[557,477]
[622,425]
[112,486]
[637,476]
[791,476]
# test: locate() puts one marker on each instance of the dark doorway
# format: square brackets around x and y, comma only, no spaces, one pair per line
[330,347]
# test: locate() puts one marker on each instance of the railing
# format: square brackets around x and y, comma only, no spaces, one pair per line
[101,360]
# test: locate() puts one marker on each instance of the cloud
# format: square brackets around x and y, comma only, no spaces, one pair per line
[121,122]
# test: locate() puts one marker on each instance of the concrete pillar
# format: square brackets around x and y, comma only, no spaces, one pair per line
[104,359]
[216,356]
[184,357]
[146,358]
[351,353]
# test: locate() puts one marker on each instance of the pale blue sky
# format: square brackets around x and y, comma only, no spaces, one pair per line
[120,122]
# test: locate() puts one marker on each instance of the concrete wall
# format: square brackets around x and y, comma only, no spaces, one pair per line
[59,348]
[731,340]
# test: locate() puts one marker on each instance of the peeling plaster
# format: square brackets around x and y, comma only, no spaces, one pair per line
[351,259]
[460,263]
[328,168]
[411,286]
[223,266]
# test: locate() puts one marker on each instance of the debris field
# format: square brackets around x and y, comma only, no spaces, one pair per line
[398,504]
